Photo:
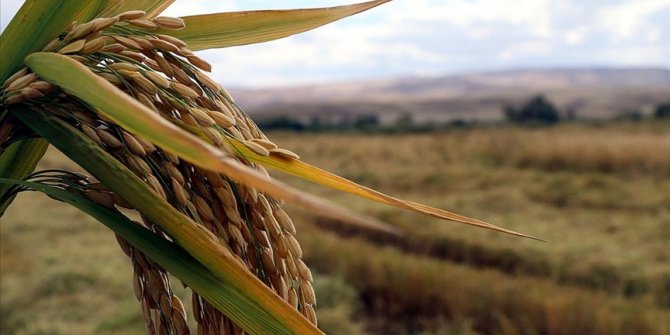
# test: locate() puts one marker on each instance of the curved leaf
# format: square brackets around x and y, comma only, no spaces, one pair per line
[130,114]
[305,171]
[17,161]
[36,23]
[222,30]
[185,232]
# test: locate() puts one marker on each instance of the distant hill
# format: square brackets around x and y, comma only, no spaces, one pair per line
[588,93]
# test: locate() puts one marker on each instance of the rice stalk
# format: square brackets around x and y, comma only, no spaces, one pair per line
[164,75]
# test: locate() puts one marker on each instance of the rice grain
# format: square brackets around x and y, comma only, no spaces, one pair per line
[169,22]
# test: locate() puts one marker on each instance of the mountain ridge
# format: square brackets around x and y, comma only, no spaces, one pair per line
[592,92]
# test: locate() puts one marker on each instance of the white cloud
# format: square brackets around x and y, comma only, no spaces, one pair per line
[627,18]
[654,35]
[639,56]
[525,49]
[534,15]
[437,36]
[576,36]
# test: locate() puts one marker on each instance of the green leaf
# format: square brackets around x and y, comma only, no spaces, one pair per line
[305,171]
[136,118]
[36,23]
[185,232]
[222,30]
[17,161]
[228,298]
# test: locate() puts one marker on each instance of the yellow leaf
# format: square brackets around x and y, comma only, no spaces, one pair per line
[305,171]
[133,116]
[222,30]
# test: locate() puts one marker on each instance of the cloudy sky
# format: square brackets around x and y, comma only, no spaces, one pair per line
[435,37]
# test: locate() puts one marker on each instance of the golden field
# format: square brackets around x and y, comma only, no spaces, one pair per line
[599,194]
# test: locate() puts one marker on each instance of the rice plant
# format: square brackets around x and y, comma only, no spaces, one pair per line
[119,90]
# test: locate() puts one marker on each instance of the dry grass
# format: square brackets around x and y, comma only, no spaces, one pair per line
[596,150]
[605,269]
[62,273]
[411,293]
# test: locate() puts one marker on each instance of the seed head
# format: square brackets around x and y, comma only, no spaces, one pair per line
[15,76]
[21,82]
[79,31]
[169,22]
[257,148]
[131,15]
[142,23]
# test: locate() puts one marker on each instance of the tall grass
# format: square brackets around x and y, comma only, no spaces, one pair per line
[414,293]
[600,276]
[585,151]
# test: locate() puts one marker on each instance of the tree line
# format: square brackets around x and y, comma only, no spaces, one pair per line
[367,123]
[538,110]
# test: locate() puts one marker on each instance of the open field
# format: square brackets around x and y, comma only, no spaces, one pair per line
[598,194]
